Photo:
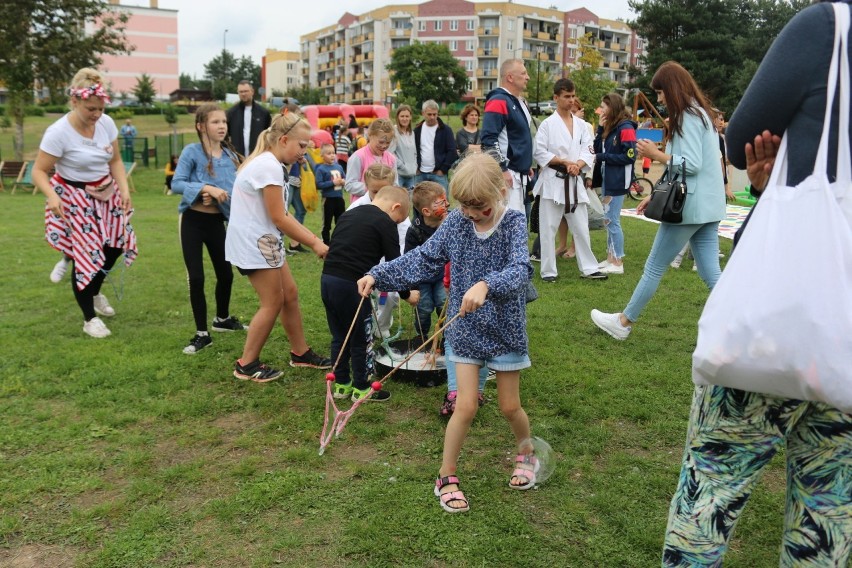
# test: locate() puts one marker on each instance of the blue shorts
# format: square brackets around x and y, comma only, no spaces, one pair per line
[505,362]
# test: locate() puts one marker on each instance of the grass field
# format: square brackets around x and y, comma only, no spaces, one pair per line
[125,452]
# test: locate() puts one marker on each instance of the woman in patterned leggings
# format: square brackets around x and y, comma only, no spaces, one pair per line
[733,434]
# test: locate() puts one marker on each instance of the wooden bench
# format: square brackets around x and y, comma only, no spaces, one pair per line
[11,170]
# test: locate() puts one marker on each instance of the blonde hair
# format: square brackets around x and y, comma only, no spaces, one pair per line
[282,125]
[393,194]
[478,181]
[378,126]
[425,192]
[380,172]
[86,77]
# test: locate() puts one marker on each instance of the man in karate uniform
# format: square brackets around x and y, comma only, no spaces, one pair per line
[563,149]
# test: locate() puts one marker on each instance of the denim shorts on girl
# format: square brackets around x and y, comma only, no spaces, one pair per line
[505,362]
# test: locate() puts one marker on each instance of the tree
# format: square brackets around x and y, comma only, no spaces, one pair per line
[185,81]
[428,71]
[171,117]
[722,56]
[588,77]
[540,85]
[44,41]
[306,95]
[225,71]
[144,89]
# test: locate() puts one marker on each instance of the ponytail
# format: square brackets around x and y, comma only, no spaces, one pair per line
[281,125]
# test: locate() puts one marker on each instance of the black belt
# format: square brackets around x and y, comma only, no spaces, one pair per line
[569,206]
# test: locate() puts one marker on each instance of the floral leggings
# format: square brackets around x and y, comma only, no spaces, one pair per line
[732,435]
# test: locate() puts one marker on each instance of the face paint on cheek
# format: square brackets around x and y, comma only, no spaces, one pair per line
[486,212]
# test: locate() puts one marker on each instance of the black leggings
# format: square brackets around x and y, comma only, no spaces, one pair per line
[333,208]
[86,297]
[196,230]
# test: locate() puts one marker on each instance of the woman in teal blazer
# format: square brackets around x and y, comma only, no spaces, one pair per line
[691,140]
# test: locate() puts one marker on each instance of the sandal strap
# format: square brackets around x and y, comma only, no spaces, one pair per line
[526,458]
[448,480]
[453,496]
[527,474]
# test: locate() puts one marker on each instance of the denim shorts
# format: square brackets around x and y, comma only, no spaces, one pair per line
[505,362]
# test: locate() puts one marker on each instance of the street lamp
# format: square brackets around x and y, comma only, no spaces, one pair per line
[224,41]
[538,51]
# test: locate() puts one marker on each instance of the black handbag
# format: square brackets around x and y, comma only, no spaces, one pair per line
[669,196]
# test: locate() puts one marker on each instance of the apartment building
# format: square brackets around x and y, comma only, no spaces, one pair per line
[348,59]
[280,71]
[153,32]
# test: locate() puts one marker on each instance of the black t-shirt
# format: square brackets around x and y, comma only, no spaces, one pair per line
[361,238]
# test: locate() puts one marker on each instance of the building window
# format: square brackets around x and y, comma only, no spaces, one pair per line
[510,45]
[470,25]
[469,45]
[439,26]
[511,24]
[454,46]
[421,26]
[454,25]
[468,65]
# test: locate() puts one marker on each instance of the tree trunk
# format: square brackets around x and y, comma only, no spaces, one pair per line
[16,110]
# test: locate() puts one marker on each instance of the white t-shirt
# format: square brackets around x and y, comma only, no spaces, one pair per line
[246,128]
[253,240]
[80,158]
[427,148]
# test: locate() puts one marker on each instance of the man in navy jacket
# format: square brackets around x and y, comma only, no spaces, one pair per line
[246,120]
[436,147]
[506,130]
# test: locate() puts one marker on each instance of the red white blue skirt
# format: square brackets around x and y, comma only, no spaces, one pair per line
[89,226]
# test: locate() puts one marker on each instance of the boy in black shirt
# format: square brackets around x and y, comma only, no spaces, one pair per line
[363,236]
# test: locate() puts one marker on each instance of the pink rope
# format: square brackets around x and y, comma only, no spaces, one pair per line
[340,419]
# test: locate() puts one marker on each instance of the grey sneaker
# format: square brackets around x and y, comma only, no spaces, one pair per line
[102,307]
[611,323]
[95,327]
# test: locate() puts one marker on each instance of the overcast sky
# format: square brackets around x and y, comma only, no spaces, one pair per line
[255,25]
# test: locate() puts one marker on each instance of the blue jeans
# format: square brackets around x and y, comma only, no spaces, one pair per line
[612,222]
[407,181]
[452,385]
[704,240]
[432,297]
[441,180]
[296,201]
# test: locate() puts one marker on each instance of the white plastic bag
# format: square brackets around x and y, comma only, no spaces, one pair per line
[779,320]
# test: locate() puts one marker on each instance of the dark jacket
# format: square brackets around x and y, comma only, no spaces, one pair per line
[616,155]
[260,121]
[418,233]
[445,146]
[504,111]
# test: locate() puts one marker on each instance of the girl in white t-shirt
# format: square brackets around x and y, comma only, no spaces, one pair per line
[87,216]
[254,245]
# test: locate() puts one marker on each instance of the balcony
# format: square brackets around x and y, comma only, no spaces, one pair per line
[487,52]
[527,33]
[401,32]
[486,72]
[369,56]
[486,31]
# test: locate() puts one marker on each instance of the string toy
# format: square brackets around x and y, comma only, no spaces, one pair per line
[340,419]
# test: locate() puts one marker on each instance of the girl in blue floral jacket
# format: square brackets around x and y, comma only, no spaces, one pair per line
[486,246]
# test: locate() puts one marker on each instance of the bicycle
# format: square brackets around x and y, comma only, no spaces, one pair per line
[640,188]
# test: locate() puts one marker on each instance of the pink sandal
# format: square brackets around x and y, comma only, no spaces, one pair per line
[527,468]
[449,496]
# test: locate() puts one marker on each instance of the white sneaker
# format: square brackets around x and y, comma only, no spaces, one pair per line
[603,263]
[611,324]
[102,306]
[613,269]
[676,262]
[96,328]
[59,270]
[695,268]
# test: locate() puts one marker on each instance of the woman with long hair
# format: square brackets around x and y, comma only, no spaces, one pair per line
[204,178]
[88,209]
[615,150]
[691,143]
[254,245]
[403,147]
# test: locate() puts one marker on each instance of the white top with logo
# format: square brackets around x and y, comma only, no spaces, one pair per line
[80,158]
[253,241]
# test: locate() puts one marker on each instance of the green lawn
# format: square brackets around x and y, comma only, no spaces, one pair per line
[125,452]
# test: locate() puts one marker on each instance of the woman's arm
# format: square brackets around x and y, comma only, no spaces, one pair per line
[273,198]
[625,153]
[41,179]
[119,174]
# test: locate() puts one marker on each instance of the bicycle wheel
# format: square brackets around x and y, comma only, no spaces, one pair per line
[640,188]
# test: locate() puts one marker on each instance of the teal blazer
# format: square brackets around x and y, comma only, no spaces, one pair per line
[705,186]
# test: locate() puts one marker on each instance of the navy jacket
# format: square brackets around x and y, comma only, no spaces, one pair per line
[260,121]
[616,155]
[445,147]
[503,111]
